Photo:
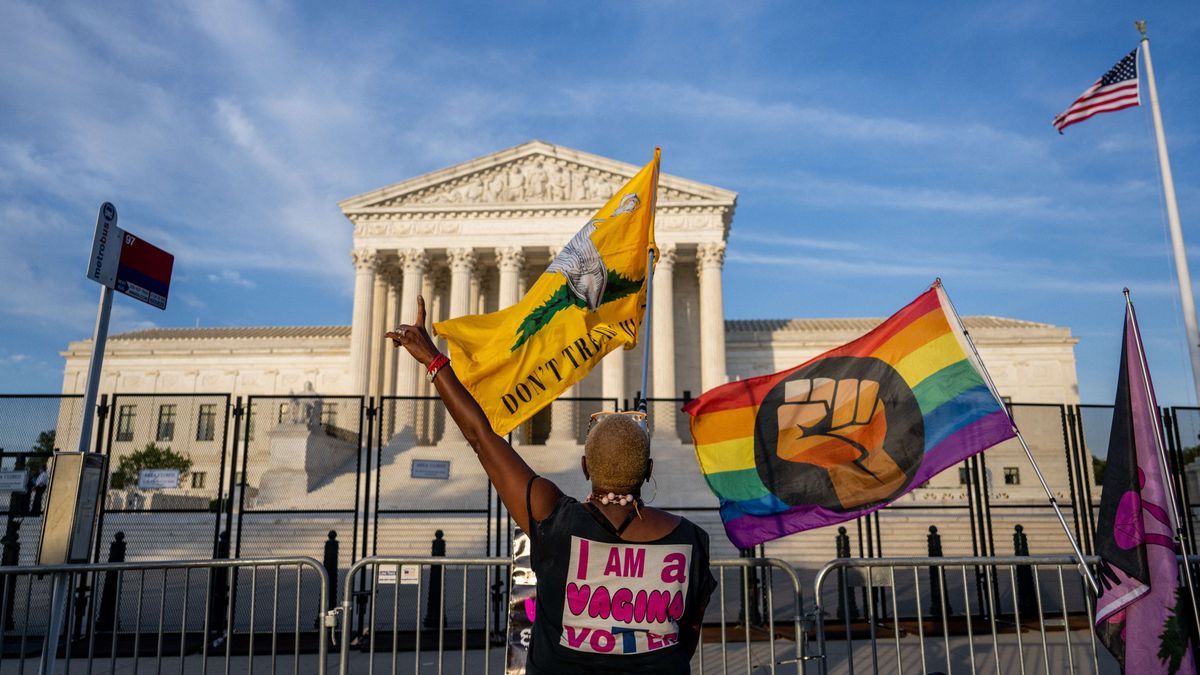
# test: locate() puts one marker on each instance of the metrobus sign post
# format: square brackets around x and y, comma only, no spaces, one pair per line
[127,264]
[123,263]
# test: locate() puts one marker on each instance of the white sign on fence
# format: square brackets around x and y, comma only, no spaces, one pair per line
[14,481]
[158,479]
[387,575]
[410,575]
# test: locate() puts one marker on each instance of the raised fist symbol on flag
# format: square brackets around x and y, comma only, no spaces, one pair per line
[840,431]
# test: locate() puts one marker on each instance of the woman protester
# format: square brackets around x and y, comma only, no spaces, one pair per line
[621,586]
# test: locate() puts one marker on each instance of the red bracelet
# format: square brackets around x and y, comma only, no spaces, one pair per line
[435,365]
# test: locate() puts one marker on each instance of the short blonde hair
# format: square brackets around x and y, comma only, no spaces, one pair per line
[618,453]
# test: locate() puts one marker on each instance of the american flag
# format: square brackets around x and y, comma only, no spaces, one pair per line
[1116,90]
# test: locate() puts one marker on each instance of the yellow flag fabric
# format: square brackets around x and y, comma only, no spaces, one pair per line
[589,301]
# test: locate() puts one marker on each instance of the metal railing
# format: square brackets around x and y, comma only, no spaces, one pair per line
[930,597]
[177,615]
[433,607]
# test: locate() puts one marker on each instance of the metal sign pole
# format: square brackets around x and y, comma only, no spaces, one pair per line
[62,581]
[92,390]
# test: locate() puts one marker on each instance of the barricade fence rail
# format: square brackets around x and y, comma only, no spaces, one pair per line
[920,615]
[436,614]
[451,615]
[173,616]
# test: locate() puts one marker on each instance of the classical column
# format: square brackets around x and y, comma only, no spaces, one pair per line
[378,328]
[709,259]
[393,279]
[612,374]
[663,350]
[414,263]
[462,269]
[360,326]
[431,289]
[562,413]
[510,262]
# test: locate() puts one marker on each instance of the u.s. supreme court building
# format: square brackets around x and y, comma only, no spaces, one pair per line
[471,238]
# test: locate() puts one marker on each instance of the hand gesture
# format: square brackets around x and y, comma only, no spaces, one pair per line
[829,422]
[415,338]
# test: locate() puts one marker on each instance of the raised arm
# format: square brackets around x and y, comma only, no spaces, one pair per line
[505,468]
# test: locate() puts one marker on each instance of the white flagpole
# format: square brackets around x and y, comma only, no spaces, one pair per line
[1083,568]
[1168,182]
[1181,538]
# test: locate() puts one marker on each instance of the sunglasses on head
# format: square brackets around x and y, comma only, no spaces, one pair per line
[637,415]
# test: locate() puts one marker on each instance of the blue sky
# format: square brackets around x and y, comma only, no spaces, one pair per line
[874,146]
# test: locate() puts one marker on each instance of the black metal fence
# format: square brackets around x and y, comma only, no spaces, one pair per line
[275,475]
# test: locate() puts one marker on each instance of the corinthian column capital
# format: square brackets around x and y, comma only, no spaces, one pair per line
[365,259]
[415,261]
[666,257]
[461,260]
[710,255]
[510,259]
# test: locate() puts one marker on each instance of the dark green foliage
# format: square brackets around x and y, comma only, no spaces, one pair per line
[1098,469]
[46,441]
[150,457]
[1173,641]
[618,287]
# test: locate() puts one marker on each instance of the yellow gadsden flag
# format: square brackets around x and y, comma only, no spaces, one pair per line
[589,301]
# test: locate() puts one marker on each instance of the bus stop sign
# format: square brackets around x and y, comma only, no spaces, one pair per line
[128,264]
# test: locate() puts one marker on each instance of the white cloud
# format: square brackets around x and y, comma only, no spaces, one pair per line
[231,277]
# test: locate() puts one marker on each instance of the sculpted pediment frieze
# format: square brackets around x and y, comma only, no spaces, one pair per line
[535,176]
[530,180]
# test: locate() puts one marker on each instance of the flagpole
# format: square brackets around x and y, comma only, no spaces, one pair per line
[641,404]
[1083,568]
[1181,537]
[1183,276]
[649,320]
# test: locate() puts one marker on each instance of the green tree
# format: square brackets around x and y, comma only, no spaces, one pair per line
[46,442]
[149,457]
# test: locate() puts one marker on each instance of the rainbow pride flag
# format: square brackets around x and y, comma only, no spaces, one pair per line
[849,431]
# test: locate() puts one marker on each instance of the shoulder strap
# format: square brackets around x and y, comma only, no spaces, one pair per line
[604,522]
[529,501]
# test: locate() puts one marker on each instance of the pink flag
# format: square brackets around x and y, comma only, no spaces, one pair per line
[1143,617]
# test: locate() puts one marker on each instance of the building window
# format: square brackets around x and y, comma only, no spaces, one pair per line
[198,480]
[125,416]
[964,476]
[166,422]
[1012,475]
[328,415]
[206,425]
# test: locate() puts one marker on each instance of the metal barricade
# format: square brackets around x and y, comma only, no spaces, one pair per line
[1019,614]
[171,616]
[456,609]
[756,588]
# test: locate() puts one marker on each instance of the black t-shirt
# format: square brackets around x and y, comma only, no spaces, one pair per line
[612,606]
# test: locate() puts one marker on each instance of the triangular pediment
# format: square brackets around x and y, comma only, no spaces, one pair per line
[531,174]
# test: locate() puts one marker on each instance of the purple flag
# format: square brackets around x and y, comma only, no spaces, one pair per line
[1142,616]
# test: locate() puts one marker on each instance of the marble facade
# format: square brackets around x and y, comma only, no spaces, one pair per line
[471,238]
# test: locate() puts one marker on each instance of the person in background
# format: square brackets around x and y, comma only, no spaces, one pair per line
[39,490]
